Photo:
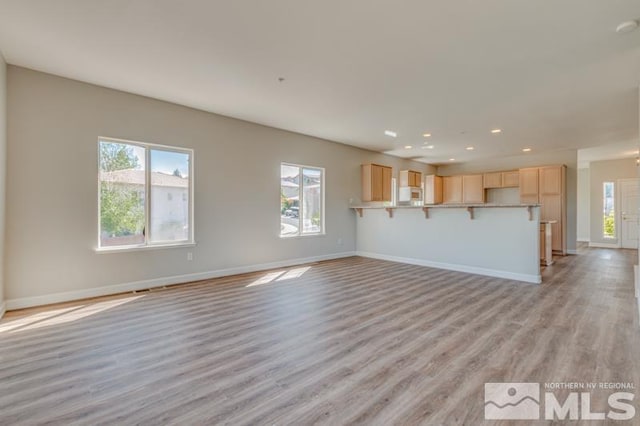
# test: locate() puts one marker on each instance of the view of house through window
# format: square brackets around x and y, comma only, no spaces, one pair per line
[609,219]
[145,194]
[301,198]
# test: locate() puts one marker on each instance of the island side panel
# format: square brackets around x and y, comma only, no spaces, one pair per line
[500,242]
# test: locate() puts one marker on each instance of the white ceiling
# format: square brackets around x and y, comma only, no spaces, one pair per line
[550,74]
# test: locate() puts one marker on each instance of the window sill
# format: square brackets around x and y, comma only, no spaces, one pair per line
[290,237]
[125,249]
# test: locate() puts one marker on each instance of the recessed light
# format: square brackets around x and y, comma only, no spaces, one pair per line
[496,131]
[408,147]
[526,149]
[428,147]
[469,148]
[426,135]
[627,27]
[390,133]
[452,159]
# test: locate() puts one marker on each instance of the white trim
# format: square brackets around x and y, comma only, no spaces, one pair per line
[27,302]
[582,240]
[537,279]
[3,309]
[604,245]
[126,249]
[148,147]
[572,251]
[301,168]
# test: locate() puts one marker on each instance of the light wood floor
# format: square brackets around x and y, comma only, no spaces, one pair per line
[349,341]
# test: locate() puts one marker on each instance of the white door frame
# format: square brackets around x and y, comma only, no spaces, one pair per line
[618,206]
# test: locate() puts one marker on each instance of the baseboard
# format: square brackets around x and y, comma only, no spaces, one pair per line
[3,309]
[536,279]
[572,251]
[604,245]
[28,302]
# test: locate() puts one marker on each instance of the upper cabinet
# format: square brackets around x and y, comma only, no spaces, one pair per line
[472,189]
[432,189]
[529,185]
[452,189]
[493,180]
[463,189]
[410,178]
[511,179]
[376,182]
[508,179]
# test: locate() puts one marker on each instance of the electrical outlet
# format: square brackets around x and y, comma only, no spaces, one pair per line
[189,256]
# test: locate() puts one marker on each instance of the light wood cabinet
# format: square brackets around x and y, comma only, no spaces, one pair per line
[493,180]
[467,189]
[511,179]
[552,186]
[432,189]
[410,178]
[528,182]
[472,189]
[452,189]
[547,186]
[376,182]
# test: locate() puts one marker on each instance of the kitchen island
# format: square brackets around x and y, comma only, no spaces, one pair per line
[499,240]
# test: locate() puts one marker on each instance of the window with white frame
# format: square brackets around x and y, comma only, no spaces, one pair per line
[301,200]
[145,194]
[609,217]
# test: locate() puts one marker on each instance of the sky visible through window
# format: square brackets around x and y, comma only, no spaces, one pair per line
[165,161]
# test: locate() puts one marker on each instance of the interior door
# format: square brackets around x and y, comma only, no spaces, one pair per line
[629,204]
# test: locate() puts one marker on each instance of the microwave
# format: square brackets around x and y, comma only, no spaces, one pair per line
[409,194]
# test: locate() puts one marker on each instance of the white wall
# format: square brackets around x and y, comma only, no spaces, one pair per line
[566,157]
[3,169]
[500,242]
[583,206]
[600,172]
[52,217]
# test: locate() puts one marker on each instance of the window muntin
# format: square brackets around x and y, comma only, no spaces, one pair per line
[145,195]
[301,200]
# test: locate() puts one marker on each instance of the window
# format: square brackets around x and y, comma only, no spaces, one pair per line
[145,194]
[609,219]
[301,200]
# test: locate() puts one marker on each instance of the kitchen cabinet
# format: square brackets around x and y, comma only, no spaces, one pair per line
[467,189]
[552,199]
[472,189]
[376,182]
[493,180]
[452,189]
[528,182]
[547,186]
[410,178]
[510,179]
[432,189]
